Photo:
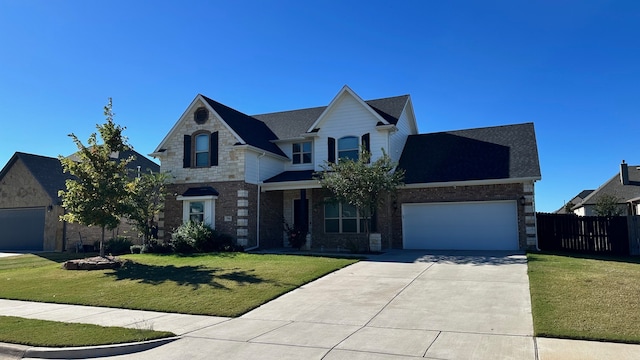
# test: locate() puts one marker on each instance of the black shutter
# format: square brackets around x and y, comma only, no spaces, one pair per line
[186,160]
[366,145]
[331,144]
[213,148]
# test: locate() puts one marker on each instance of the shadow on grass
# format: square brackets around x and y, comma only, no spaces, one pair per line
[194,276]
[61,257]
[603,257]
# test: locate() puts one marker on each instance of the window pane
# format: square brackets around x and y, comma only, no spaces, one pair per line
[306,158]
[348,143]
[196,217]
[331,211]
[306,147]
[352,154]
[202,159]
[296,158]
[349,225]
[202,143]
[196,207]
[296,147]
[348,211]
[332,225]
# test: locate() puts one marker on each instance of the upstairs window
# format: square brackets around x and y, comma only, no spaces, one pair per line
[202,150]
[348,148]
[301,153]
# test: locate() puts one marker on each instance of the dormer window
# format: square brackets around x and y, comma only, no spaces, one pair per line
[301,153]
[348,148]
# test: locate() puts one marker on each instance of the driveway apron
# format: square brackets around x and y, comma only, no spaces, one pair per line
[402,304]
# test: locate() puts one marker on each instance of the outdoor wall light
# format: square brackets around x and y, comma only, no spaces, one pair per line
[522,200]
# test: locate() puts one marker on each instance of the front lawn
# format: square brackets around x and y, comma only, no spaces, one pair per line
[584,297]
[56,334]
[224,284]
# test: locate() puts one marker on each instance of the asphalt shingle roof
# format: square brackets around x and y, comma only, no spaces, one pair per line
[615,188]
[500,152]
[300,175]
[294,123]
[253,131]
[49,174]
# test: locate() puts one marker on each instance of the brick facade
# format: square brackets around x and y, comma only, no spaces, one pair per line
[389,216]
[235,210]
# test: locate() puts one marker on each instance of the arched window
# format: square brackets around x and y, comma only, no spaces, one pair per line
[348,148]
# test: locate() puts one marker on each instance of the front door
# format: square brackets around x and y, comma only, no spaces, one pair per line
[301,214]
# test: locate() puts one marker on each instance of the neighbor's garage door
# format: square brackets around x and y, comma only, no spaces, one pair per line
[22,229]
[482,225]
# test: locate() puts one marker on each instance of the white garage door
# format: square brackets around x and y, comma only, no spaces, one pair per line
[481,225]
[22,229]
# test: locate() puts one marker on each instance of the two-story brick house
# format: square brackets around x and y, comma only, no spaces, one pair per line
[245,175]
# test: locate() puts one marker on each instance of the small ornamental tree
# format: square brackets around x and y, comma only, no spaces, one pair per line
[360,183]
[147,194]
[608,205]
[97,195]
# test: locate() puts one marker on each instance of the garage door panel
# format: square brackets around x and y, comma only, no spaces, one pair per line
[22,229]
[461,226]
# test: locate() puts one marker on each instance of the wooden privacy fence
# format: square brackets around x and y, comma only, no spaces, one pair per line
[583,234]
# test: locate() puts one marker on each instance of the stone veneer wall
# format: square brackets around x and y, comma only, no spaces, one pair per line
[235,210]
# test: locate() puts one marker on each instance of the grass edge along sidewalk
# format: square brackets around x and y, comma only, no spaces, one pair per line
[216,284]
[585,297]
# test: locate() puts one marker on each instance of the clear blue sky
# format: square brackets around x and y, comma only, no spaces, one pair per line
[571,67]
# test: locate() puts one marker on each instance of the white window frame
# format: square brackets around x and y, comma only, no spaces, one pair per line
[209,208]
[302,152]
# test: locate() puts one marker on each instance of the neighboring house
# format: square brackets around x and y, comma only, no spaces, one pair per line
[574,201]
[30,208]
[625,186]
[245,175]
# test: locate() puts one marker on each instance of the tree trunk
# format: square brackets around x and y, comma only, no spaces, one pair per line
[102,243]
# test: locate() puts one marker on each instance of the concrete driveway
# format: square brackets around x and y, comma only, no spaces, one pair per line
[403,304]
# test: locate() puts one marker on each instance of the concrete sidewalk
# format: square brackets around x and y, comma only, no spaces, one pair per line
[402,304]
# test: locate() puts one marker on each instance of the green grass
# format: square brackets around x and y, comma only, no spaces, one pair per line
[225,284]
[583,297]
[33,332]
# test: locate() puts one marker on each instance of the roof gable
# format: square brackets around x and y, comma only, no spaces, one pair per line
[346,91]
[246,129]
[501,152]
[251,130]
[615,188]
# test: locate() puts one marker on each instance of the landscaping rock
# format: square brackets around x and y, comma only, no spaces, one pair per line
[93,263]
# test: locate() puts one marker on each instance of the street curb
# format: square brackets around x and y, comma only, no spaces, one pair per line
[12,351]
[20,351]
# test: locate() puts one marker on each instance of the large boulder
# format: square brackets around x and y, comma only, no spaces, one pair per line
[93,263]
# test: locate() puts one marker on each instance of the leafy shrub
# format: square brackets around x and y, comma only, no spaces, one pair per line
[116,246]
[198,237]
[157,247]
[191,236]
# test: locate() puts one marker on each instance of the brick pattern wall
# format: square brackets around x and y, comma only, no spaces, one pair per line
[235,210]
[389,216]
[271,215]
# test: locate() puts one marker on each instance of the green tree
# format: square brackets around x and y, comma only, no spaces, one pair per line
[97,195]
[147,194]
[360,183]
[568,208]
[608,205]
